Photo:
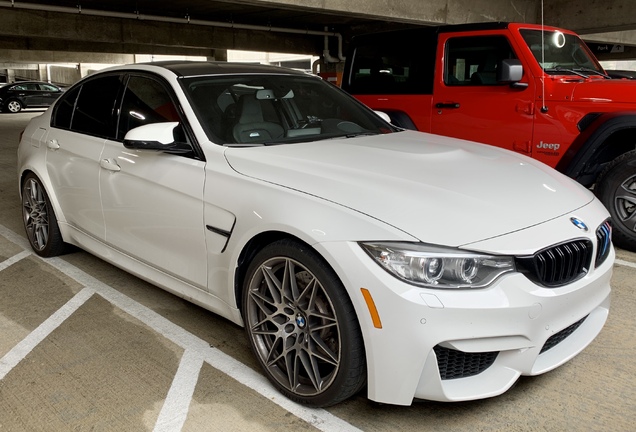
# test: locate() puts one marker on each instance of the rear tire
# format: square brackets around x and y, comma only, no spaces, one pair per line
[39,219]
[616,189]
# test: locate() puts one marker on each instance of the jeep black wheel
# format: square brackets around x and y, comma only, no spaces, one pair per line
[302,326]
[617,190]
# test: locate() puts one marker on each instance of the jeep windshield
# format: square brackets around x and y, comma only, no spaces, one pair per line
[252,110]
[561,53]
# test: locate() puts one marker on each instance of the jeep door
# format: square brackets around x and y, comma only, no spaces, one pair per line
[470,103]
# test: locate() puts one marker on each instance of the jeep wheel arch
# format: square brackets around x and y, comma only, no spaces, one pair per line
[602,140]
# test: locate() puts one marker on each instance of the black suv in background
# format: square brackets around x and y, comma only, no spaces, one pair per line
[27,94]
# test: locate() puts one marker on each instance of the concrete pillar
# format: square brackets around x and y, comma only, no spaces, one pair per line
[83,69]
[43,73]
[10,75]
[218,55]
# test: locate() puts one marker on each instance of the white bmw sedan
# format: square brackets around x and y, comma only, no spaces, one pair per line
[356,255]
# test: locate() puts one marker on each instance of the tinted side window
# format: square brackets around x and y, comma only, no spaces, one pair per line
[25,87]
[391,67]
[48,88]
[64,108]
[145,101]
[474,60]
[94,110]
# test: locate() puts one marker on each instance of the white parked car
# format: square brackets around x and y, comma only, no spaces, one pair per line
[356,255]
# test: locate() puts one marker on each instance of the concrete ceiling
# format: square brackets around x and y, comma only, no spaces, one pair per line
[65,25]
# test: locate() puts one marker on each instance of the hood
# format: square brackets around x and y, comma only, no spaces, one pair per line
[440,190]
[598,91]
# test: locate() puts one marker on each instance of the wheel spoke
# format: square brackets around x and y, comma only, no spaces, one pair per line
[330,357]
[274,285]
[311,368]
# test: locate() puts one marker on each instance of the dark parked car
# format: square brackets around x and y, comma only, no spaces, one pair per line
[27,94]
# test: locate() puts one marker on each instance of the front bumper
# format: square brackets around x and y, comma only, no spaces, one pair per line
[426,330]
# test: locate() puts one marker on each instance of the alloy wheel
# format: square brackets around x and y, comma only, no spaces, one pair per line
[293,326]
[35,214]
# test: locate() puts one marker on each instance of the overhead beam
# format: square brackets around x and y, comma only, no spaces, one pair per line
[415,12]
[590,16]
[44,30]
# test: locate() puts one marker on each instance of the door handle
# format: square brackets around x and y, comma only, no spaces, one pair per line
[52,144]
[110,165]
[447,105]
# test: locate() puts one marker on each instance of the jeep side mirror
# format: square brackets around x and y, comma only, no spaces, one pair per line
[511,71]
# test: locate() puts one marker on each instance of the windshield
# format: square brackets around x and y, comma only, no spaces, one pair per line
[277,109]
[562,53]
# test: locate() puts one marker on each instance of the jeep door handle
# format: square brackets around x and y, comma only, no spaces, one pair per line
[447,105]
[110,165]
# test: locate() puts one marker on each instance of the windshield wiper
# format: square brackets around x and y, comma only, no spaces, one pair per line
[562,69]
[595,72]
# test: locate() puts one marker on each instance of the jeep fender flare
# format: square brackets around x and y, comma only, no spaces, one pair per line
[589,154]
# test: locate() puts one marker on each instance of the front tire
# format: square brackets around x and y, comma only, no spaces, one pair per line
[617,191]
[39,219]
[302,326]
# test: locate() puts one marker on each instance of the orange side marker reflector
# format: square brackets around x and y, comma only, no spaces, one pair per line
[372,309]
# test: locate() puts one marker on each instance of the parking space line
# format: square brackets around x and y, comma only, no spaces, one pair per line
[26,345]
[625,263]
[193,345]
[14,259]
[175,408]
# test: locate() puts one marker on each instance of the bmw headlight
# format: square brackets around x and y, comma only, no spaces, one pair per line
[437,267]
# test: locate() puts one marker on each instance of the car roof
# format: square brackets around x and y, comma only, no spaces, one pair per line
[197,68]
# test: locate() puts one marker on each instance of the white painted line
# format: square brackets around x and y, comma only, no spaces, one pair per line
[175,408]
[319,418]
[15,238]
[14,259]
[26,345]
[625,263]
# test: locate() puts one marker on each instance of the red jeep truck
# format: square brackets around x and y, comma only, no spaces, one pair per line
[537,91]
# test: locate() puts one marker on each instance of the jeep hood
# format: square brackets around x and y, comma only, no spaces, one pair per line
[437,189]
[605,91]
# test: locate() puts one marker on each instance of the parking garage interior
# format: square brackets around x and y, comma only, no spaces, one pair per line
[86,346]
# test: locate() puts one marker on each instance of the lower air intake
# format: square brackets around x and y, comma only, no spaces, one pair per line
[454,364]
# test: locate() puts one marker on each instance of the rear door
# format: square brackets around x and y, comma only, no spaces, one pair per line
[81,123]
[48,94]
[27,93]
[468,100]
[388,73]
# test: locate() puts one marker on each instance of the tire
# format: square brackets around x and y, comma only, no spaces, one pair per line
[617,191]
[13,106]
[303,329]
[39,219]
